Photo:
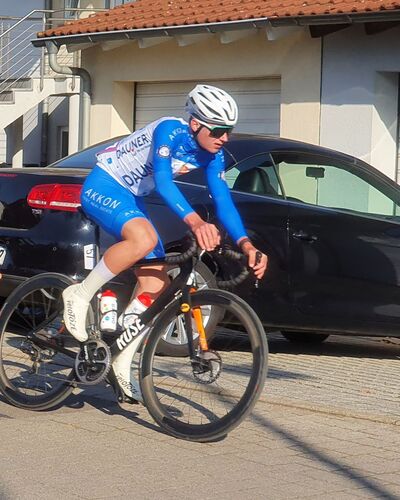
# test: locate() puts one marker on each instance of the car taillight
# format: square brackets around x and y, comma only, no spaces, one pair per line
[55,196]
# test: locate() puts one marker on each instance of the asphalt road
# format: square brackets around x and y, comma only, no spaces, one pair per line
[326,427]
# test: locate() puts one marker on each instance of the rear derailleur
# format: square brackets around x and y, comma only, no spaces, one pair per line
[36,354]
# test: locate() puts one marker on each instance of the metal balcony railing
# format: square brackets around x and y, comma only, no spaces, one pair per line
[20,61]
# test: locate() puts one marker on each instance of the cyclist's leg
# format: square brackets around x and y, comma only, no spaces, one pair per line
[138,240]
[122,218]
[151,279]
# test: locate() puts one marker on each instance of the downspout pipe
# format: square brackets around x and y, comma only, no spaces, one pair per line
[85,95]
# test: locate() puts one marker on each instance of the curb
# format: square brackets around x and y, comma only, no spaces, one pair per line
[331,410]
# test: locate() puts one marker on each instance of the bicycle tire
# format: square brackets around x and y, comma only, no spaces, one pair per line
[159,374]
[37,305]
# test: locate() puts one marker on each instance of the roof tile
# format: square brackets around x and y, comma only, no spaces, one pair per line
[159,13]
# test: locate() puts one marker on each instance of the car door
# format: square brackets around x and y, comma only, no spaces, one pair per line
[344,241]
[258,196]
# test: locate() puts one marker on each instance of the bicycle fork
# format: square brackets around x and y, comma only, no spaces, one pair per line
[196,314]
[206,363]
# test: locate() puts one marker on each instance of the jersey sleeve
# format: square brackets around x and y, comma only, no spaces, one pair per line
[163,139]
[226,211]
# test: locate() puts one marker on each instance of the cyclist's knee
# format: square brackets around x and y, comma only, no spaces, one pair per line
[141,234]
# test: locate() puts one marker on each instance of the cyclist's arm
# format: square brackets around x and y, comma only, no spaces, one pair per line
[163,144]
[226,210]
[229,216]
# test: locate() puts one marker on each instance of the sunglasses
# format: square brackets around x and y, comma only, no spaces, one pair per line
[218,132]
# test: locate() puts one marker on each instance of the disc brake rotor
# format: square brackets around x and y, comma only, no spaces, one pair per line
[207,367]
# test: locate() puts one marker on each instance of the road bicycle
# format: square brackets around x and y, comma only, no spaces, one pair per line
[200,396]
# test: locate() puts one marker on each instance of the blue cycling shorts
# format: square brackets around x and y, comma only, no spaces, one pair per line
[110,205]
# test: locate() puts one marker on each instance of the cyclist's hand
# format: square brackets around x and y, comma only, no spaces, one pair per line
[260,267]
[207,235]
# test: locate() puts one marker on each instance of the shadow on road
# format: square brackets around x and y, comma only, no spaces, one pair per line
[372,486]
[109,407]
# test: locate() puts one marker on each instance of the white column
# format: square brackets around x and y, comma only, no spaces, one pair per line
[384,118]
[18,150]
[73,124]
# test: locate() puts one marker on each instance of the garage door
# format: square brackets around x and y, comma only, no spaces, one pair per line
[258,100]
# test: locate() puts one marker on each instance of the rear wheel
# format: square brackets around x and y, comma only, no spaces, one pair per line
[34,372]
[204,399]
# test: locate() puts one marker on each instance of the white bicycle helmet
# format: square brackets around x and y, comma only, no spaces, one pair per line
[211,105]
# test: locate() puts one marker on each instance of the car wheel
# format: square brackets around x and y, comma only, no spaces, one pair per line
[174,341]
[305,337]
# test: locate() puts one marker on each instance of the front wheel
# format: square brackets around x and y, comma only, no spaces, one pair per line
[203,401]
[36,371]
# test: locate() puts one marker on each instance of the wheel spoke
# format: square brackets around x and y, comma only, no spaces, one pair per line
[33,373]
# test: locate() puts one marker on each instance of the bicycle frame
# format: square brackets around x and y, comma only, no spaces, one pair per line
[135,334]
[178,284]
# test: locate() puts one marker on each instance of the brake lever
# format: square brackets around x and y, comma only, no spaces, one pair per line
[258,260]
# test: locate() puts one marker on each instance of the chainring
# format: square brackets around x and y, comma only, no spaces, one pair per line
[93,362]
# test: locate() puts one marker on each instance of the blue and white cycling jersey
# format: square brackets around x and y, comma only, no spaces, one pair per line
[153,156]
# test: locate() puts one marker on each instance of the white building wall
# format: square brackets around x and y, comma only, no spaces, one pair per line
[32,133]
[359,95]
[295,59]
[32,136]
[3,146]
[58,117]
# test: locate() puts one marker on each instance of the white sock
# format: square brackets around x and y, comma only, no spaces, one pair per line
[98,277]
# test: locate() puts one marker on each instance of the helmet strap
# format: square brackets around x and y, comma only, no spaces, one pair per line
[196,133]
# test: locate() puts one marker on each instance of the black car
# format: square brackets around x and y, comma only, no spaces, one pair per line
[328,222]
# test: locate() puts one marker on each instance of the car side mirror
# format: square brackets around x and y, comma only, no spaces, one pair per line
[315,172]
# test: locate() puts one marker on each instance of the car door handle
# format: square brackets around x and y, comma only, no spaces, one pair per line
[301,235]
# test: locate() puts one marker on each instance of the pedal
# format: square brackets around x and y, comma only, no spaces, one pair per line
[93,362]
[120,394]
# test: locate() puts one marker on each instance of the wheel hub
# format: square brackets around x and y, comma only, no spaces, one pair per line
[207,367]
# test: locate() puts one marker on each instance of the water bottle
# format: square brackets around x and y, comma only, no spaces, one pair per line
[134,309]
[108,311]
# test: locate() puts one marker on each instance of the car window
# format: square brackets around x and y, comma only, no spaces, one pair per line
[85,158]
[255,175]
[327,182]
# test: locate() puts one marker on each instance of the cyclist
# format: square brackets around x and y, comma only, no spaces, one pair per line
[149,159]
